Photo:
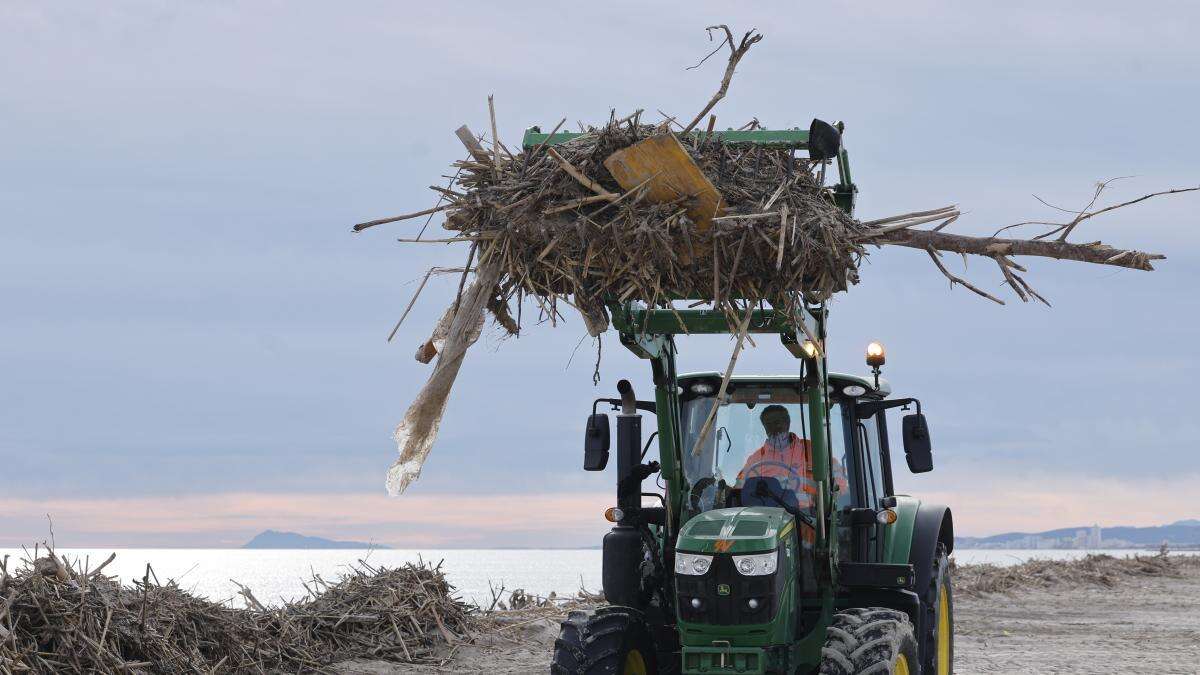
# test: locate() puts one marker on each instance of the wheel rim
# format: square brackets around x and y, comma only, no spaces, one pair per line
[636,665]
[901,665]
[943,632]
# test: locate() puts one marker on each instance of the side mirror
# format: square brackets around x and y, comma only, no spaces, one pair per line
[917,448]
[595,443]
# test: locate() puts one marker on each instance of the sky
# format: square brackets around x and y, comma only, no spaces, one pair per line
[193,344]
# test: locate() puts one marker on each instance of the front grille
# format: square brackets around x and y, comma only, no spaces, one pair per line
[730,609]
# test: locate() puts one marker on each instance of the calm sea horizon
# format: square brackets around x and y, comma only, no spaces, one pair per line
[277,575]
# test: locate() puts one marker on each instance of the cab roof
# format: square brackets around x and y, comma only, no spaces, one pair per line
[839,380]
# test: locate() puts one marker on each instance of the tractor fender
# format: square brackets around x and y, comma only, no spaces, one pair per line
[914,537]
[933,524]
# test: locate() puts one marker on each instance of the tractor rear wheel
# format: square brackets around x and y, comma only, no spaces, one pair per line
[608,641]
[870,640]
[937,645]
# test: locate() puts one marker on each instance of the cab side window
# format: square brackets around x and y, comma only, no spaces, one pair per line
[841,447]
[872,460]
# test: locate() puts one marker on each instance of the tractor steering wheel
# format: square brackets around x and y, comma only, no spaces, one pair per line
[697,489]
[794,476]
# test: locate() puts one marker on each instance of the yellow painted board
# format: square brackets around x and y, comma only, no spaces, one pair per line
[672,174]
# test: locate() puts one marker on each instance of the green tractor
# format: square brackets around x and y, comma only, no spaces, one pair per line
[776,542]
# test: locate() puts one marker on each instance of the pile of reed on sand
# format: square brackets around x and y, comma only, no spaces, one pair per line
[1091,570]
[58,617]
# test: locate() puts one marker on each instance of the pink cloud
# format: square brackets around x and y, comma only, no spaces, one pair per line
[981,506]
[1045,501]
[230,519]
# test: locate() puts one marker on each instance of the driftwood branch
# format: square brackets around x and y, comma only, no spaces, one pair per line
[1100,188]
[372,223]
[742,331]
[933,254]
[1095,252]
[579,176]
[736,52]
[472,144]
[897,231]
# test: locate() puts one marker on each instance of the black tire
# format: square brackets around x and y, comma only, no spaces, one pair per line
[603,642]
[939,580]
[869,641]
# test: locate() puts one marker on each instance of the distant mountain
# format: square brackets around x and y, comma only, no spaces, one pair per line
[273,539]
[1188,523]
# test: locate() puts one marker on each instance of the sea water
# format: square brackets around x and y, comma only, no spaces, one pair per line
[277,575]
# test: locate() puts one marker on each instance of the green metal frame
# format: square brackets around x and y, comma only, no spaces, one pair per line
[844,193]
[786,138]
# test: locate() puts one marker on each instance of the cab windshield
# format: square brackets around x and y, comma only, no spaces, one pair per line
[756,451]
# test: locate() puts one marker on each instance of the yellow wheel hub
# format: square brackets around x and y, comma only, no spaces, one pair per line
[943,632]
[901,665]
[635,664]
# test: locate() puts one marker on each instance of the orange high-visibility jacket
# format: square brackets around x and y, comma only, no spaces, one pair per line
[788,465]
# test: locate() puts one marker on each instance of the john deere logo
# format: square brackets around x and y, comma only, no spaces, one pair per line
[722,589]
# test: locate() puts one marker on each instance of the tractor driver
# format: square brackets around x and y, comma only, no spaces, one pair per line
[787,458]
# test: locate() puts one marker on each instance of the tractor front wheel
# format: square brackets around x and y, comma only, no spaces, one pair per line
[870,640]
[608,641]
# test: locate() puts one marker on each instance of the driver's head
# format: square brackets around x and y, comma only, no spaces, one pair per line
[775,420]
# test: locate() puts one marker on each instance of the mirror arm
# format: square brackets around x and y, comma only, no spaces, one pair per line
[871,408]
[648,406]
[646,448]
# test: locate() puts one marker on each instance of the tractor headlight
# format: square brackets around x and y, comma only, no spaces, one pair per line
[692,564]
[756,565]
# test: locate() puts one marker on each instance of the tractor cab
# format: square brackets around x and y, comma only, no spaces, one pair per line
[760,453]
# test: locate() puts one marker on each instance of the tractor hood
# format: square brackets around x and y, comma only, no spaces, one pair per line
[746,529]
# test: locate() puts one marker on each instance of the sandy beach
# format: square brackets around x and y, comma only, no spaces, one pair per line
[1141,624]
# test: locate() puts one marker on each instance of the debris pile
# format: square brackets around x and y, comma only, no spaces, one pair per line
[663,214]
[1091,570]
[559,236]
[57,617]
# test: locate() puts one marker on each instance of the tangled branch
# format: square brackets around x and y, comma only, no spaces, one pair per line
[735,55]
[1001,249]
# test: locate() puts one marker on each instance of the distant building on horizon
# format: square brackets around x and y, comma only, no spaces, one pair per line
[1181,535]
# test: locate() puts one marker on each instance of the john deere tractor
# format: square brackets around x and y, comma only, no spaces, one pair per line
[775,541]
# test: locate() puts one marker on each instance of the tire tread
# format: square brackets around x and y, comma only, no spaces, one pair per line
[592,643]
[865,641]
